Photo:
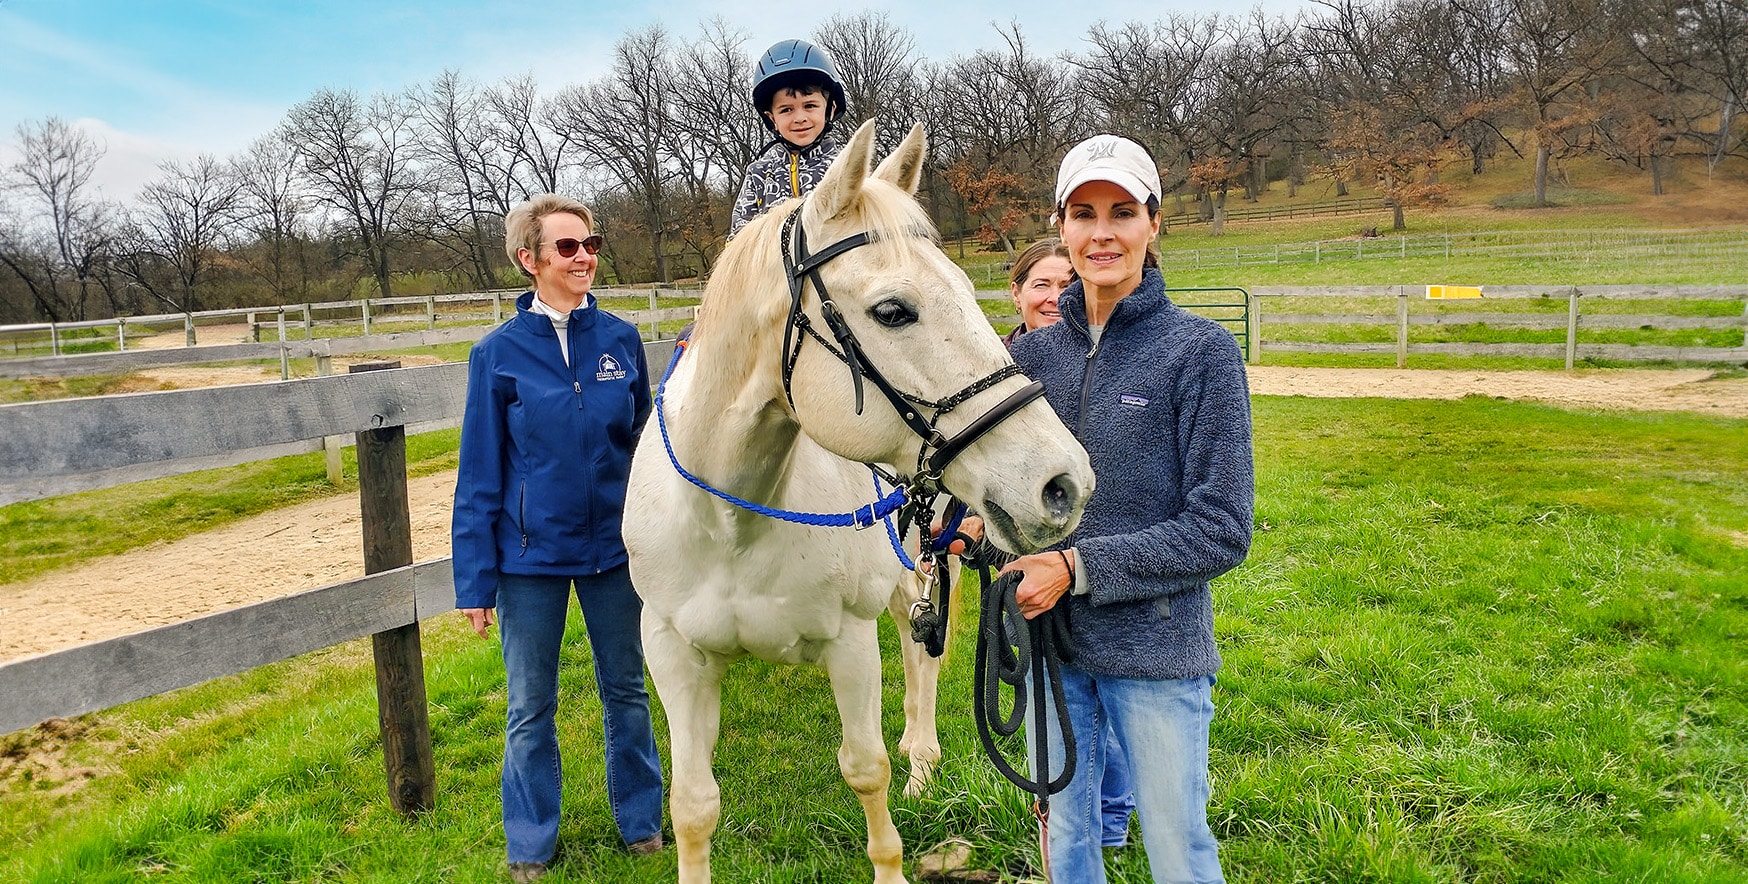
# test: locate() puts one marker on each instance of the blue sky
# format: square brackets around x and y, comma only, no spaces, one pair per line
[169,79]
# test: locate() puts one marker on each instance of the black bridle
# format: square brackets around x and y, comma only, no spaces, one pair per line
[800,266]
[1037,647]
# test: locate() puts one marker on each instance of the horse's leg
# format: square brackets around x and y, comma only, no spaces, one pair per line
[853,662]
[689,683]
[922,675]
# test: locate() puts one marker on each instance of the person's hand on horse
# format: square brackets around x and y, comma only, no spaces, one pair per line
[1049,575]
[479,619]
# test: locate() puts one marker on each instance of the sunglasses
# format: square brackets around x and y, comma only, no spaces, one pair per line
[567,247]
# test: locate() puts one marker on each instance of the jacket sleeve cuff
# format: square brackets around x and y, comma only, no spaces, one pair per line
[1080,585]
[478,597]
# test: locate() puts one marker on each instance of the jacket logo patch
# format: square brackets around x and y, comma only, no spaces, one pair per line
[1134,401]
[609,369]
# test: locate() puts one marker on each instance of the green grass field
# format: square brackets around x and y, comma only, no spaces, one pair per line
[1475,641]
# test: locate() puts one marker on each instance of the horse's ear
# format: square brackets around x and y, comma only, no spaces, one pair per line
[841,188]
[904,167]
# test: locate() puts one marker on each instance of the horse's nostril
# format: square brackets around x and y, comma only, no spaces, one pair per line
[1060,496]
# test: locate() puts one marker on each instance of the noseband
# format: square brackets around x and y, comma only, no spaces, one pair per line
[799,267]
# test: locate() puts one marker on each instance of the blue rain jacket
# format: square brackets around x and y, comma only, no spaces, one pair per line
[546,449]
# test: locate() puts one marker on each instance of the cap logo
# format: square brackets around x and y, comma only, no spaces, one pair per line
[1104,151]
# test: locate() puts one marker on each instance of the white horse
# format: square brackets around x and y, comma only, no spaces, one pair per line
[719,582]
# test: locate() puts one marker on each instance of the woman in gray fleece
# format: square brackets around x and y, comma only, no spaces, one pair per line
[1158,397]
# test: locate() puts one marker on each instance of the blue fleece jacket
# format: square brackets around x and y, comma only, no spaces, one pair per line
[1162,407]
[546,449]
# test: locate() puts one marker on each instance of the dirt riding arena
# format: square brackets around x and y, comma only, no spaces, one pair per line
[316,543]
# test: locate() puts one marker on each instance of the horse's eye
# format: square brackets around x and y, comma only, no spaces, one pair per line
[893,313]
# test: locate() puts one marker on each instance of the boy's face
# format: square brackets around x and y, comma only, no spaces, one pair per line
[799,117]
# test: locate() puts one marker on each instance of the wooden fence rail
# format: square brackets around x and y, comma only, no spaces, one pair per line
[81,364]
[97,676]
[1572,320]
[61,446]
[52,336]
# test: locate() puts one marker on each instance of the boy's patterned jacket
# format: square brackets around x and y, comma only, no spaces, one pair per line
[779,173]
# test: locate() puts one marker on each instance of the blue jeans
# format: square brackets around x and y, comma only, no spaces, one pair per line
[1163,728]
[531,616]
[1116,796]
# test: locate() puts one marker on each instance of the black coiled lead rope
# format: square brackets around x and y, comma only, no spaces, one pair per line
[1009,649]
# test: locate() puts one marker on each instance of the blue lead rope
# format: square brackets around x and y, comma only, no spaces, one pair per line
[862,517]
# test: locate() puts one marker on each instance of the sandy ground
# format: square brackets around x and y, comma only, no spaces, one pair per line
[1633,389]
[317,543]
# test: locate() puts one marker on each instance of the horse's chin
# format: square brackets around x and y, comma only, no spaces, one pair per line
[1005,532]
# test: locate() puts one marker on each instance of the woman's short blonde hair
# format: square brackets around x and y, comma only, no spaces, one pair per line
[522,227]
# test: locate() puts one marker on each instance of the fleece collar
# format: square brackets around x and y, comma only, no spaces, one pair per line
[1147,299]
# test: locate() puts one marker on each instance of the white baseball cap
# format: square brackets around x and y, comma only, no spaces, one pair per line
[1110,158]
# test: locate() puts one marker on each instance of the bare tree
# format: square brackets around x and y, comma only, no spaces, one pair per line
[57,262]
[1388,114]
[624,122]
[182,222]
[273,207]
[1550,50]
[716,134]
[470,171]
[877,61]
[1719,28]
[1147,82]
[522,124]
[1251,87]
[1694,52]
[1003,119]
[359,161]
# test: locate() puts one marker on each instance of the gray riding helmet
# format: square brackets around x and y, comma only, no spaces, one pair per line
[791,61]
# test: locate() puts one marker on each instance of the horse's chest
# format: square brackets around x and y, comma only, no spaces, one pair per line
[782,608]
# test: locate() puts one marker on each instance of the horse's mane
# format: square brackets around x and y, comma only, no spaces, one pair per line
[747,297]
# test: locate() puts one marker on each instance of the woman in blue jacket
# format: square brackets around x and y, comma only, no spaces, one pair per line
[555,399]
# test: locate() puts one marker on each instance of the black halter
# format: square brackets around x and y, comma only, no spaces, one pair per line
[803,266]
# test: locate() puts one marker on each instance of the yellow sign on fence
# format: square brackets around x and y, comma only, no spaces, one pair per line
[1450,292]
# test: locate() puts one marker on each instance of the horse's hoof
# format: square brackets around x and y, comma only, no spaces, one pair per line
[922,772]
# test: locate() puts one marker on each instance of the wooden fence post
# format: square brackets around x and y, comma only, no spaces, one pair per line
[309,324]
[54,339]
[188,327]
[1571,328]
[430,312]
[121,334]
[364,311]
[331,445]
[1402,328]
[402,713]
[497,308]
[284,353]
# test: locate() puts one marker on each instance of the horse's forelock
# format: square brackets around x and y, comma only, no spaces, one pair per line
[888,213]
[748,294]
